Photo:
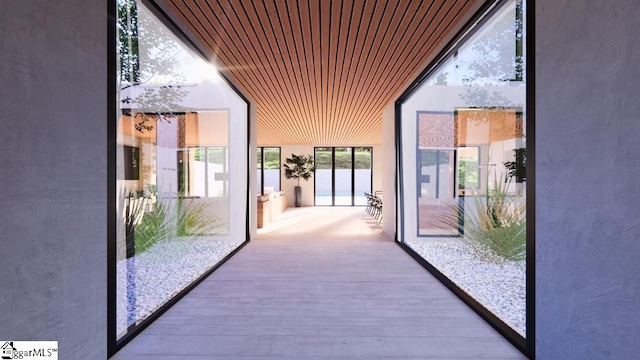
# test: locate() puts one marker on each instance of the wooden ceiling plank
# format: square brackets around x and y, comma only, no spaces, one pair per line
[291,28]
[381,95]
[400,65]
[359,47]
[325,48]
[342,31]
[405,30]
[314,16]
[386,49]
[303,15]
[226,57]
[352,25]
[359,75]
[370,82]
[210,20]
[281,49]
[335,26]
[438,36]
[255,19]
[321,72]
[249,19]
[239,74]
[378,41]
[269,42]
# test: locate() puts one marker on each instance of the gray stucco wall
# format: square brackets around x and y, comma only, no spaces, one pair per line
[588,179]
[53,103]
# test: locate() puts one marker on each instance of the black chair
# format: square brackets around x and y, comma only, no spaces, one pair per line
[374,206]
[377,203]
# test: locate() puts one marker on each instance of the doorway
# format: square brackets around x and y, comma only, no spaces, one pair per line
[343,175]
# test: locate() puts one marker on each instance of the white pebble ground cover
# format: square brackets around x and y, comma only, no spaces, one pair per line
[501,288]
[150,279]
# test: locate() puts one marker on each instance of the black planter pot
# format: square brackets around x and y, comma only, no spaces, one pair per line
[298,196]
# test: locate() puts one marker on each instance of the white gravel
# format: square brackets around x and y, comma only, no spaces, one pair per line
[501,288]
[150,279]
[157,275]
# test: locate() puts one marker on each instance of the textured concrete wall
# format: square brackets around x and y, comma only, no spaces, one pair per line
[53,103]
[588,179]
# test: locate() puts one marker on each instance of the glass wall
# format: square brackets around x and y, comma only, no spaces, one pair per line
[362,173]
[342,192]
[463,144]
[268,170]
[323,176]
[181,164]
[259,181]
[343,175]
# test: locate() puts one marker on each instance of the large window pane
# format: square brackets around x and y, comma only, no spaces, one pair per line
[181,167]
[259,171]
[271,169]
[323,176]
[362,175]
[464,153]
[343,176]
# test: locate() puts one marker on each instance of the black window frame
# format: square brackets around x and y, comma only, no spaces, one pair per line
[484,14]
[113,343]
[333,173]
[261,148]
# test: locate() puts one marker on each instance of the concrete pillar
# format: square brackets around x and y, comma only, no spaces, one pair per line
[53,174]
[587,181]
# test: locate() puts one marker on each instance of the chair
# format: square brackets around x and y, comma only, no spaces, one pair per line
[374,206]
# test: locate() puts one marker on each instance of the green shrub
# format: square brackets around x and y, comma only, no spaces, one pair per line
[496,230]
[165,219]
[343,159]
[299,167]
[192,219]
[153,227]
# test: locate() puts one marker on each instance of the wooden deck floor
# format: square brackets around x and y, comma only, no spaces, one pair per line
[320,283]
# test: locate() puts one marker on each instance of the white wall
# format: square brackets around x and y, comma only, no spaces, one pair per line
[388,170]
[253,205]
[378,168]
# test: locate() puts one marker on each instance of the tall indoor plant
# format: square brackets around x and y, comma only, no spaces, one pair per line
[299,167]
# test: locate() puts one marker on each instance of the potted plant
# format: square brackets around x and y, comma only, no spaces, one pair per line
[299,167]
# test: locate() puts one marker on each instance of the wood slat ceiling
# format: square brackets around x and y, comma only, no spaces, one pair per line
[321,71]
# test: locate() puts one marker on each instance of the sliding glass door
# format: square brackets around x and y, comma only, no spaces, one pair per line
[343,175]
[323,176]
[362,174]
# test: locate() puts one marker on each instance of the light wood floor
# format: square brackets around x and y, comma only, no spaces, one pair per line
[320,283]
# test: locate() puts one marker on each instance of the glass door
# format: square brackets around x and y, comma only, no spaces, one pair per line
[343,175]
[362,172]
[323,176]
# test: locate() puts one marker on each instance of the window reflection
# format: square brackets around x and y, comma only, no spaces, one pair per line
[181,175]
[464,155]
